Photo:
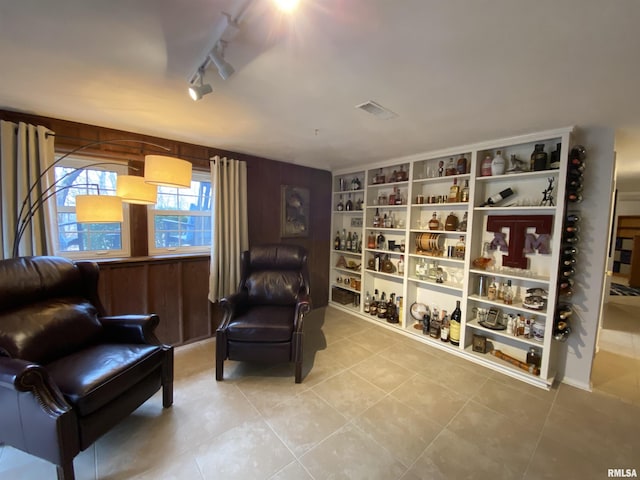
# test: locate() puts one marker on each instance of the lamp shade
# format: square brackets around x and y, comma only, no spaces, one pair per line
[133,189]
[167,171]
[98,209]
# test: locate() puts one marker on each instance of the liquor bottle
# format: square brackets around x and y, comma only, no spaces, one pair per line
[500,292]
[485,168]
[508,294]
[464,193]
[461,165]
[492,291]
[371,241]
[460,248]
[534,357]
[359,204]
[380,241]
[376,219]
[451,223]
[354,242]
[538,158]
[398,199]
[382,306]
[454,324]
[451,168]
[336,241]
[434,223]
[555,157]
[343,240]
[348,243]
[462,226]
[373,308]
[421,269]
[401,265]
[444,327]
[392,310]
[340,206]
[349,205]
[367,302]
[386,221]
[454,192]
[485,259]
[498,197]
[434,324]
[497,164]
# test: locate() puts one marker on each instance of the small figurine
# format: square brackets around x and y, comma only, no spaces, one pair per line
[515,165]
[547,198]
[440,168]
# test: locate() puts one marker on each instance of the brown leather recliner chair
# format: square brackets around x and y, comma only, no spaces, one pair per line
[68,374]
[263,321]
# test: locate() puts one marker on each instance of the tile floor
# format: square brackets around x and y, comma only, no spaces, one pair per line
[373,405]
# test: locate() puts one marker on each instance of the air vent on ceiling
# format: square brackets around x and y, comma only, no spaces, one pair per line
[377,110]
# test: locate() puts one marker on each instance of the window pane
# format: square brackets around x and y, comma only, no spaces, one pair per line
[80,237]
[182,230]
[72,182]
[197,198]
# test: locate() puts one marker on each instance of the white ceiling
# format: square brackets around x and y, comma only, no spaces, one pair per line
[455,72]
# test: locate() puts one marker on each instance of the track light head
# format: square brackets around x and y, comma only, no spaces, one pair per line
[224,68]
[196,92]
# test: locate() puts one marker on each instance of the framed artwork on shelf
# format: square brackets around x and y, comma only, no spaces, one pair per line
[294,211]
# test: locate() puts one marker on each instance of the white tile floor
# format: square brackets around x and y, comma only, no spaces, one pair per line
[373,405]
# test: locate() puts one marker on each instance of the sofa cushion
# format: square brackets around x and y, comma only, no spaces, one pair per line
[46,330]
[93,377]
[263,324]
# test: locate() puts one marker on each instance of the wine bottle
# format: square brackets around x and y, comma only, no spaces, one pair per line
[568,260]
[401,265]
[444,327]
[336,241]
[349,205]
[454,324]
[367,302]
[574,196]
[340,206]
[498,197]
[343,240]
[348,243]
[573,218]
[570,250]
[566,272]
[555,157]
[380,241]
[569,228]
[571,238]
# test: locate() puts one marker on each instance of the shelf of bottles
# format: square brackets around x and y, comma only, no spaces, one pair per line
[480,226]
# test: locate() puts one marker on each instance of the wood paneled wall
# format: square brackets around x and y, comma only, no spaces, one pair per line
[174,288]
[177,288]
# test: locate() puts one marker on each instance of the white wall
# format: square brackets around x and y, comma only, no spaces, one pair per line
[575,358]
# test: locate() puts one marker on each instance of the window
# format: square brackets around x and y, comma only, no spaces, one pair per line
[181,220]
[74,177]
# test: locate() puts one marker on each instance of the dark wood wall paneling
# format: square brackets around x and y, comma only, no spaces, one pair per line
[177,288]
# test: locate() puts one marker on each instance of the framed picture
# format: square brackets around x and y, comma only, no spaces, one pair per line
[294,208]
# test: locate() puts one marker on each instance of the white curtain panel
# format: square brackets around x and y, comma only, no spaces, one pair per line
[230,234]
[25,152]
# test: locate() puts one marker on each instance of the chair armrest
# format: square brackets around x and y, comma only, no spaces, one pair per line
[302,308]
[231,307]
[22,376]
[132,328]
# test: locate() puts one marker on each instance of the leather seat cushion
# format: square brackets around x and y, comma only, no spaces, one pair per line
[93,377]
[263,323]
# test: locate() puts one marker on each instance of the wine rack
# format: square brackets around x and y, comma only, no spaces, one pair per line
[490,229]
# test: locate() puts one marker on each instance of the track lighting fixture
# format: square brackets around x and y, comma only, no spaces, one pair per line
[196,92]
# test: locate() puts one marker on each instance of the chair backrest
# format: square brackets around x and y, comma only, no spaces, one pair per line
[274,274]
[48,307]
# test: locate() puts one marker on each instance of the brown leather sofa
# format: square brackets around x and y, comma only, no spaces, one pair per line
[68,373]
[263,321]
